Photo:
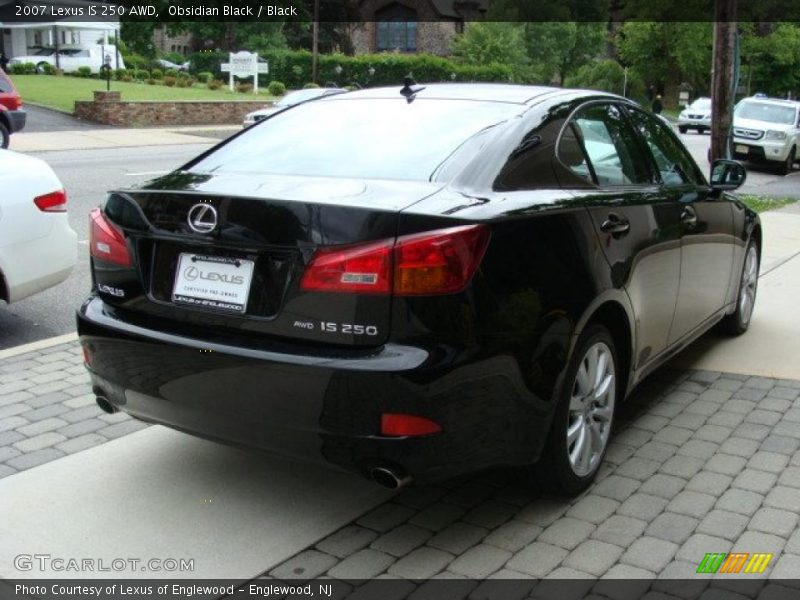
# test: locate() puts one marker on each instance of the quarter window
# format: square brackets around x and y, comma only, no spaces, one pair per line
[599,146]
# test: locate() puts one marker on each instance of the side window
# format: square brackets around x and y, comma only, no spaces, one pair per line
[675,165]
[599,146]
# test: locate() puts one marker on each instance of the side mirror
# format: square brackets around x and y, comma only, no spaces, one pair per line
[727,174]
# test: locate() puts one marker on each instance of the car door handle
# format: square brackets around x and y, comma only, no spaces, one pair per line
[689,216]
[616,225]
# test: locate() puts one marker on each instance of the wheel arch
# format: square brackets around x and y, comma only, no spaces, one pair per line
[613,310]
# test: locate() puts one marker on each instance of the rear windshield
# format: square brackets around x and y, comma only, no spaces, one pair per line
[701,103]
[371,139]
[761,111]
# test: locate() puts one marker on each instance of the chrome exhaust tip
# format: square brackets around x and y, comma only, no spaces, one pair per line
[390,478]
[103,402]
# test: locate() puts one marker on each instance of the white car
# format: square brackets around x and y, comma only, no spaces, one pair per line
[72,58]
[696,116]
[38,248]
[290,99]
[767,130]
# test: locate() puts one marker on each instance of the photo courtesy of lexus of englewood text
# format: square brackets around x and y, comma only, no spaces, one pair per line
[388,299]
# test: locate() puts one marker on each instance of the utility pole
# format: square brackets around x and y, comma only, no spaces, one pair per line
[722,92]
[315,44]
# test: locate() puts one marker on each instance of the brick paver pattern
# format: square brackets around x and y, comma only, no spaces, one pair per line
[699,462]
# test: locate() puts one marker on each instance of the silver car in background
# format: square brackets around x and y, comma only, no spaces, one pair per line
[696,116]
[289,100]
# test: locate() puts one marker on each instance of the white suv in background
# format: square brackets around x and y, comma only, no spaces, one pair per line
[767,130]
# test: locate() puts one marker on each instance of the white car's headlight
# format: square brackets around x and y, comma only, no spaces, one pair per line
[776,135]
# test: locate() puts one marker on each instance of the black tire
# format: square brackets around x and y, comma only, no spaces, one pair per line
[738,322]
[683,129]
[5,136]
[555,468]
[788,165]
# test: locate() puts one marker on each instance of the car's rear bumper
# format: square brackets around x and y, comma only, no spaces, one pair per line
[694,123]
[16,119]
[323,408]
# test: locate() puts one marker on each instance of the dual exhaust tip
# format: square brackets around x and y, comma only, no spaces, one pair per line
[390,477]
[103,402]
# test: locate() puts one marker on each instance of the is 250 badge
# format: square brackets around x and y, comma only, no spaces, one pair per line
[343,328]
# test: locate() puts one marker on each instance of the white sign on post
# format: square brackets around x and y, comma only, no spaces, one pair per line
[244,64]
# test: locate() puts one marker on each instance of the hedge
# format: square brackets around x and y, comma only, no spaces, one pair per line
[294,68]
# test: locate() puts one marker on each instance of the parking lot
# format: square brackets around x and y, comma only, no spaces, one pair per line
[705,457]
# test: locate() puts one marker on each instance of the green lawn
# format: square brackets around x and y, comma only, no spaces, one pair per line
[762,204]
[61,92]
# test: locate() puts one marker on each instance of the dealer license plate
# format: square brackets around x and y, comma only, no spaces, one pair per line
[213,281]
[742,149]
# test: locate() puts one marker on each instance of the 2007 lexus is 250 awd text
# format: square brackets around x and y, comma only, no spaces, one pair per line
[419,281]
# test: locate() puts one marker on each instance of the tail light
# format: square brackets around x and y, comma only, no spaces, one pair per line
[437,262]
[13,102]
[52,202]
[400,425]
[106,242]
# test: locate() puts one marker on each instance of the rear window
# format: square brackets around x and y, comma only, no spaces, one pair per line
[5,84]
[372,139]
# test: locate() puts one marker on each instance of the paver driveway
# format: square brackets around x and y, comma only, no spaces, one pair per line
[701,462]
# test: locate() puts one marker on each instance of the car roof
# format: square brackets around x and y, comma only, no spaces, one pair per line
[490,92]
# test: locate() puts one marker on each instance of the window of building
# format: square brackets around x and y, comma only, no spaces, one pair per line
[396,29]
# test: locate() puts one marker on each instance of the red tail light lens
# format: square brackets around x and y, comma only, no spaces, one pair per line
[364,269]
[442,262]
[106,242]
[399,425]
[52,202]
[438,262]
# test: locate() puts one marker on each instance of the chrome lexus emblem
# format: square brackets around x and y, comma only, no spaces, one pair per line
[202,218]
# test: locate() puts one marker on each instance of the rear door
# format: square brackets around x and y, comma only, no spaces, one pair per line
[637,224]
[707,242]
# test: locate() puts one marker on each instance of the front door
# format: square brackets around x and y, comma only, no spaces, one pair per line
[706,223]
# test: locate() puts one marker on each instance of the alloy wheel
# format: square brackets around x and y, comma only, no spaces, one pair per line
[591,409]
[747,289]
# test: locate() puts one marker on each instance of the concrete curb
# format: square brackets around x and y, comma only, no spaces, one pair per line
[51,109]
[38,345]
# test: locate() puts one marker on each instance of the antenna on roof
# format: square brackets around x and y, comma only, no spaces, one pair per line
[410,88]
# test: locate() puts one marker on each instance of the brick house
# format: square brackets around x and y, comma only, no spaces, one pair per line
[412,26]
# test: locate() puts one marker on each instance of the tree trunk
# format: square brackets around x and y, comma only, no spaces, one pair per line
[722,92]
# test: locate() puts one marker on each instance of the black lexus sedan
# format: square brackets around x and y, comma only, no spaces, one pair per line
[416,282]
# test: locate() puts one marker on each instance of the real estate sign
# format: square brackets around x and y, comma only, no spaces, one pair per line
[244,64]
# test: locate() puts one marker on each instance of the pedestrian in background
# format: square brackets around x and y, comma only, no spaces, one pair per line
[657,105]
[3,61]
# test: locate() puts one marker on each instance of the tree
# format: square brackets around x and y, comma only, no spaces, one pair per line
[491,42]
[558,49]
[771,58]
[137,35]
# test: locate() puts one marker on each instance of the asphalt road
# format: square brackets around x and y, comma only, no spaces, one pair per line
[88,174]
[42,119]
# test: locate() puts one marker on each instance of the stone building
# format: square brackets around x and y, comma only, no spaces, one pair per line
[412,26]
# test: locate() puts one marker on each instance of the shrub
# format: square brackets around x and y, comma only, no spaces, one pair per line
[170,81]
[119,74]
[83,72]
[244,88]
[135,61]
[126,78]
[310,85]
[205,76]
[215,84]
[141,74]
[152,81]
[175,57]
[276,88]
[48,69]
[171,73]
[186,82]
[208,62]
[27,68]
[156,73]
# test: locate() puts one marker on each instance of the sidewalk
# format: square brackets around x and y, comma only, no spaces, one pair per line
[114,138]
